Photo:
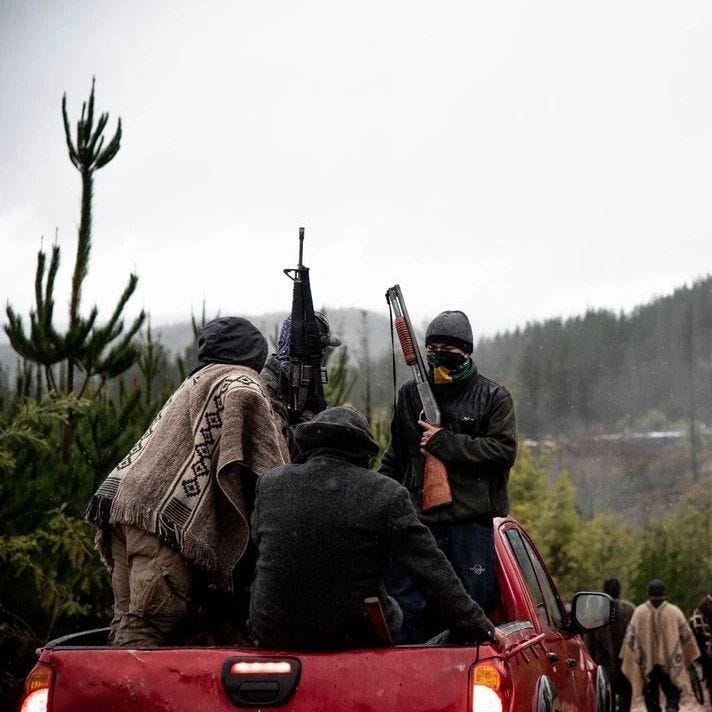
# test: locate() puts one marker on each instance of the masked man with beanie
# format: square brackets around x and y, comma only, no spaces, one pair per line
[180,500]
[476,441]
[325,530]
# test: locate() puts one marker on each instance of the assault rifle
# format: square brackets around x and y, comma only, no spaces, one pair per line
[305,389]
[696,683]
[436,488]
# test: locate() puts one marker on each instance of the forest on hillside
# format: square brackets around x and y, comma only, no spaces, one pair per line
[605,371]
[599,372]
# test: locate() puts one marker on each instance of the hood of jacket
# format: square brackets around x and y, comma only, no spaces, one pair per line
[232,340]
[339,430]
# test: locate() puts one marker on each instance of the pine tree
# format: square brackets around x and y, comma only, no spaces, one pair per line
[97,352]
[187,361]
[689,355]
[365,366]
[341,381]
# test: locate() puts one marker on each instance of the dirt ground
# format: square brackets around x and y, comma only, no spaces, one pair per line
[687,704]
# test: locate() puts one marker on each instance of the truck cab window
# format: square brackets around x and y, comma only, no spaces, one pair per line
[525,565]
[550,597]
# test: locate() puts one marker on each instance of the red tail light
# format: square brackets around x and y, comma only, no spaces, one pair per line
[38,686]
[488,683]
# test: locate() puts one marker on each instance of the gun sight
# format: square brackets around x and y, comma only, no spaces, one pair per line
[294,273]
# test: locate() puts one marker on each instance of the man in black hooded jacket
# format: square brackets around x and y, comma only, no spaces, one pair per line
[476,440]
[325,530]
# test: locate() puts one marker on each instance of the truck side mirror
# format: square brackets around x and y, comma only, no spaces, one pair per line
[591,610]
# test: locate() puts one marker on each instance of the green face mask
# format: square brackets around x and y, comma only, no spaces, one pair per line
[447,359]
[448,367]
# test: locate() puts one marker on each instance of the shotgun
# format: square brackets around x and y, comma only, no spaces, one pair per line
[436,488]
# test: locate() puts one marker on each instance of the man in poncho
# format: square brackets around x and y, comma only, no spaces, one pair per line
[657,650]
[181,499]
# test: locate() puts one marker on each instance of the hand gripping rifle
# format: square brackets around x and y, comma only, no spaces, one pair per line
[305,389]
[436,488]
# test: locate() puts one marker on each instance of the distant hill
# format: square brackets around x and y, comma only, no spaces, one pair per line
[358,329]
[350,325]
[650,368]
[600,371]
[605,396]
[640,474]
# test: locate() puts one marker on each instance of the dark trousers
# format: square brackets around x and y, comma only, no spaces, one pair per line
[659,680]
[707,670]
[622,692]
[470,550]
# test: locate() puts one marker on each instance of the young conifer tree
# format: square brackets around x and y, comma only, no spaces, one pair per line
[86,352]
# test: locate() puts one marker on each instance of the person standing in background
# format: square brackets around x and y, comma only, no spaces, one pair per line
[657,650]
[701,624]
[605,644]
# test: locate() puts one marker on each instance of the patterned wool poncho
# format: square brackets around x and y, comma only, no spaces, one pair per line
[658,636]
[174,482]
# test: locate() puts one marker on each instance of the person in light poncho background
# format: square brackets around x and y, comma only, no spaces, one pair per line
[657,650]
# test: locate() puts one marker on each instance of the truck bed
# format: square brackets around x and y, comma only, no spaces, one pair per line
[542,664]
[411,678]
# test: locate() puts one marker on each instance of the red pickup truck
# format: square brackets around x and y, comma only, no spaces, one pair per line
[542,665]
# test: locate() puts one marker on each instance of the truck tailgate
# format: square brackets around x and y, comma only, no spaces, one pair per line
[115,680]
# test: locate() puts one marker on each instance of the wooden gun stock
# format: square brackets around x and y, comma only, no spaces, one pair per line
[375,614]
[436,488]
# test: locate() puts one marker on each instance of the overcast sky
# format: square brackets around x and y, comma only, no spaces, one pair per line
[515,159]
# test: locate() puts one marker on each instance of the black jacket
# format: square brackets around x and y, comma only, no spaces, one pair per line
[325,531]
[478,445]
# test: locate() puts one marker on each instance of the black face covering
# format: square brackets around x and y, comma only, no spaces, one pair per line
[447,359]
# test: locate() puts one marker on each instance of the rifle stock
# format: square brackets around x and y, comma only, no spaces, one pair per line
[436,486]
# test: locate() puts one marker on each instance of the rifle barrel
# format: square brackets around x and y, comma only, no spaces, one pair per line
[412,355]
[301,246]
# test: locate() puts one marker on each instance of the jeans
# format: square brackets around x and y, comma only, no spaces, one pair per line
[470,550]
[657,680]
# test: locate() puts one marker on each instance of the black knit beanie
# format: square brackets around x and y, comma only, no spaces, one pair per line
[451,327]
